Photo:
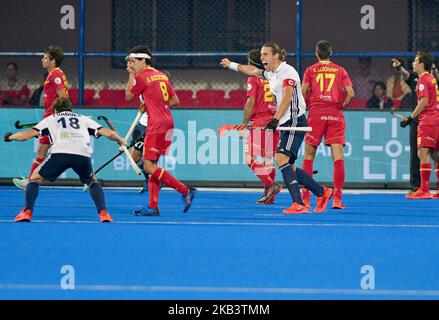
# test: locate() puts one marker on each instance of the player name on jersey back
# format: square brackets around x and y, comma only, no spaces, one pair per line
[69,132]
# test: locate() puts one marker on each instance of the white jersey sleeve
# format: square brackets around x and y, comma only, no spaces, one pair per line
[69,133]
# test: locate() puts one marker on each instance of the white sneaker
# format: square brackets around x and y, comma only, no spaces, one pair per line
[20,182]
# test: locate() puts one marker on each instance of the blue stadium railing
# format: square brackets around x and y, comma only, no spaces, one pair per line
[298,54]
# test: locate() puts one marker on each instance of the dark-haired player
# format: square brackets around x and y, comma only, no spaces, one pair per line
[158,96]
[55,86]
[70,136]
[427,112]
[328,89]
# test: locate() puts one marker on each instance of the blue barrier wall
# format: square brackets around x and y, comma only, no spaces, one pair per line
[377,149]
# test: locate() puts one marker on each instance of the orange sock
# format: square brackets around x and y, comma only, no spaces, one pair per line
[153,190]
[35,165]
[339,177]
[168,179]
[425,171]
[260,170]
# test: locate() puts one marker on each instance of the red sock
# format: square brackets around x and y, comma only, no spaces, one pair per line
[339,176]
[261,172]
[437,174]
[153,190]
[272,172]
[35,164]
[425,171]
[307,166]
[164,176]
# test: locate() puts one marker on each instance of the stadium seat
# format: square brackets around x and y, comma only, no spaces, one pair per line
[237,98]
[116,98]
[211,98]
[15,94]
[396,104]
[185,97]
[88,96]
[357,104]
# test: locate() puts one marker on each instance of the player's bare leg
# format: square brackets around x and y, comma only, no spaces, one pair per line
[339,175]
[307,166]
[41,155]
[425,170]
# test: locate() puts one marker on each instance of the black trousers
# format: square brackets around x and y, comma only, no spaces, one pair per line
[415,176]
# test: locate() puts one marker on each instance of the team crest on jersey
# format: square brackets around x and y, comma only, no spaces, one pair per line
[58,80]
[249,86]
[134,82]
[421,87]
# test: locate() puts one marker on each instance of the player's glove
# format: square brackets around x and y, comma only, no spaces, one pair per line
[406,121]
[7,135]
[272,125]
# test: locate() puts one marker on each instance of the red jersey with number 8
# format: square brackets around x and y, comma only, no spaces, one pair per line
[327,82]
[156,90]
[265,107]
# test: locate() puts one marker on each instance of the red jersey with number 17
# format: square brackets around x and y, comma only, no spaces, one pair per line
[56,80]
[327,82]
[264,108]
[427,87]
[156,90]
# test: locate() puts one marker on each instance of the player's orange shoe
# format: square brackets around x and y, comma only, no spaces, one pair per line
[322,201]
[306,197]
[337,203]
[296,208]
[25,215]
[104,216]
[419,194]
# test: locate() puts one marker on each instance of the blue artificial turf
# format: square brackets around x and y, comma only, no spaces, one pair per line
[225,247]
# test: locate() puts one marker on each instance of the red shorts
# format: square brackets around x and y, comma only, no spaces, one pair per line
[156,144]
[44,140]
[261,143]
[332,127]
[428,136]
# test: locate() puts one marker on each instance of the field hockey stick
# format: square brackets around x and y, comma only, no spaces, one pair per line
[18,125]
[239,127]
[107,163]
[396,114]
[24,125]
[123,148]
[133,125]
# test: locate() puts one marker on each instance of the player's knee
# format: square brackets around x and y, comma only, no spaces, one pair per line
[424,154]
[149,166]
[310,152]
[281,159]
[36,177]
[89,180]
[247,158]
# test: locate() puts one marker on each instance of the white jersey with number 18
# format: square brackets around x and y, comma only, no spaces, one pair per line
[69,132]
